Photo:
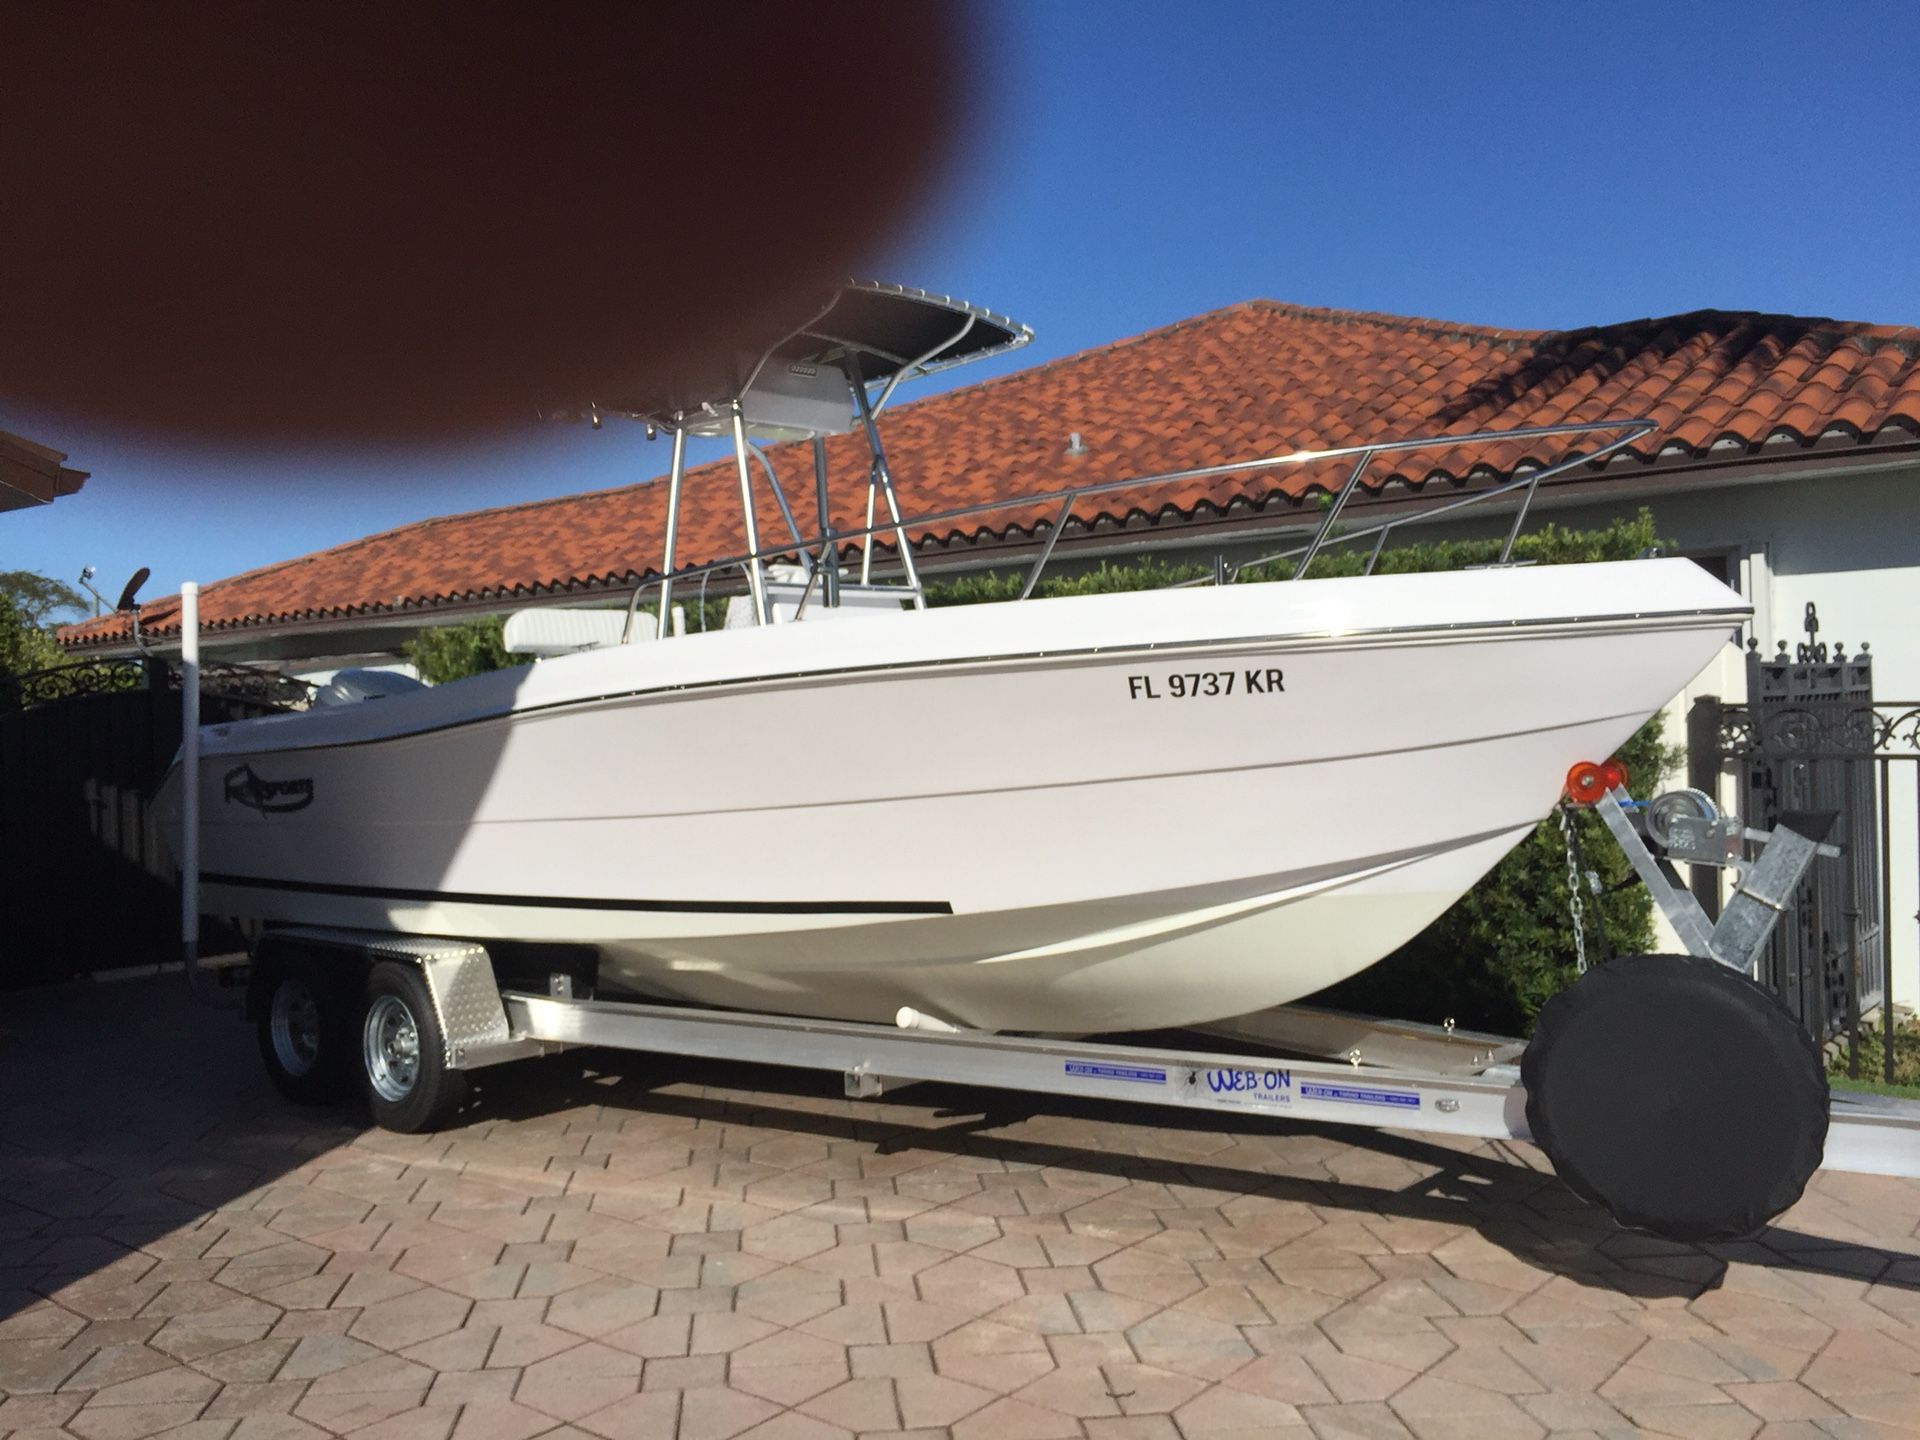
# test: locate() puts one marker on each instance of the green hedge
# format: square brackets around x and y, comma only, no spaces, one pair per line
[453,652]
[1506,947]
[24,645]
[1550,545]
[1496,957]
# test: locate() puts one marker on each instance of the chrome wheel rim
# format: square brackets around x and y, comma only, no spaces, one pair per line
[392,1047]
[293,1020]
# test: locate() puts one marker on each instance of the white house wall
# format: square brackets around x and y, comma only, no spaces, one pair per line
[1855,555]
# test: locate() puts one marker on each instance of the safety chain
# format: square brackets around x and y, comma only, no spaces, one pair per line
[1576,907]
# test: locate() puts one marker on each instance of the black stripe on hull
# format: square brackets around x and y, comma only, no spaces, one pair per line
[563,902]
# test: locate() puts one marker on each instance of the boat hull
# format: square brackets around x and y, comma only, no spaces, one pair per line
[1105,817]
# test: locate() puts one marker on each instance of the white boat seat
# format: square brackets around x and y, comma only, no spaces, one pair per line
[784,592]
[555,630]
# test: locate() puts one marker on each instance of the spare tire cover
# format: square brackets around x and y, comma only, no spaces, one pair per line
[1677,1094]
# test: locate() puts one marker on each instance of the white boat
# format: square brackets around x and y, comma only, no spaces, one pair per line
[1074,815]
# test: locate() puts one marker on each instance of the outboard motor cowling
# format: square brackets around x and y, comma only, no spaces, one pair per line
[350,686]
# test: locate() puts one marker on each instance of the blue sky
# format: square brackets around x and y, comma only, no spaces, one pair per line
[1130,165]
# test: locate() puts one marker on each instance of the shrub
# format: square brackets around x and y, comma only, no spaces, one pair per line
[453,652]
[1506,947]
[1550,545]
[1906,1055]
[24,646]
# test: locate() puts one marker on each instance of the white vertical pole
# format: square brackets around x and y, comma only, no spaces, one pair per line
[829,550]
[866,554]
[190,775]
[678,474]
[883,476]
[756,578]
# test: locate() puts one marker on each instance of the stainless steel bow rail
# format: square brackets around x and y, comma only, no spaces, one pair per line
[827,542]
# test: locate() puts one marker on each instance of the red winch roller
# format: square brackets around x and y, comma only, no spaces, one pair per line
[1587,782]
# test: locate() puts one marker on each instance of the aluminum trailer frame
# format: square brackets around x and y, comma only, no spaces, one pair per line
[483,1024]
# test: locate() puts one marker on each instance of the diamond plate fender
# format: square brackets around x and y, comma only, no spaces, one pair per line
[459,976]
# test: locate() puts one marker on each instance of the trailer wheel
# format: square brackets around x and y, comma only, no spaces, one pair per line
[1678,1095]
[301,1020]
[403,1054]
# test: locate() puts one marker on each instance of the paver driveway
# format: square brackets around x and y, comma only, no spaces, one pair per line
[626,1248]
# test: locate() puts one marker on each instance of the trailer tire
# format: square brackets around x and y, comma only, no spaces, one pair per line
[1678,1095]
[403,1053]
[304,1024]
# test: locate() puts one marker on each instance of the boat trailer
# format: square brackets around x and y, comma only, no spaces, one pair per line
[1672,1090]
[454,1017]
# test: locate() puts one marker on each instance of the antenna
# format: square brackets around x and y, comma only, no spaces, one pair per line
[139,578]
[86,581]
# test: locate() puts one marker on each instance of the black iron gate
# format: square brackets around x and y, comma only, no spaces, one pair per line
[86,882]
[1812,738]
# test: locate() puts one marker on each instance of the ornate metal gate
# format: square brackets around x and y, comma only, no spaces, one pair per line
[1812,738]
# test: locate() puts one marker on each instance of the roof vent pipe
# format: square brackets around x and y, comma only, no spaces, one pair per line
[1074,447]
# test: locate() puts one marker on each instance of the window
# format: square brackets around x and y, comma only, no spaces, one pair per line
[1722,562]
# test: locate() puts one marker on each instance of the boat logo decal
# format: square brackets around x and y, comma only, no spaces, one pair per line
[1362,1095]
[269,797]
[1145,1074]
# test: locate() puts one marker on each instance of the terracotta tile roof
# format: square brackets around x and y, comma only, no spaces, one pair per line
[1255,378]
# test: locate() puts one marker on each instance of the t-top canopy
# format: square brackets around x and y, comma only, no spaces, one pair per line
[877,331]
[895,330]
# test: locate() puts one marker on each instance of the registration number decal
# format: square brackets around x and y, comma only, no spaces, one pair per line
[1206,684]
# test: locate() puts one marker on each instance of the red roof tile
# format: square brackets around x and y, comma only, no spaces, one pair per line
[1255,378]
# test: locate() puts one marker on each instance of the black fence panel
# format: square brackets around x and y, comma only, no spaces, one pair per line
[86,881]
[1803,753]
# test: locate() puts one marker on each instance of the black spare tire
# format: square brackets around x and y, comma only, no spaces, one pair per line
[1678,1095]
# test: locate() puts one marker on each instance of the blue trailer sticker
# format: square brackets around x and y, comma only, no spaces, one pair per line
[1140,1073]
[1362,1095]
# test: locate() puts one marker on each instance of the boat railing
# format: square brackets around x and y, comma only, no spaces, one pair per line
[830,542]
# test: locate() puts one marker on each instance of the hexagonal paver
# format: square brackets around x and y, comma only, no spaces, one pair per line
[423,1314]
[732,1255]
